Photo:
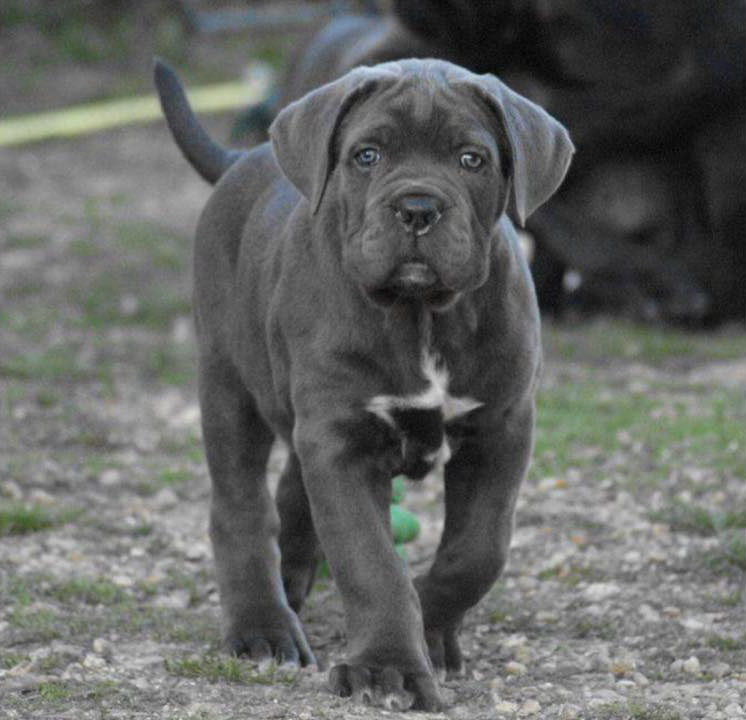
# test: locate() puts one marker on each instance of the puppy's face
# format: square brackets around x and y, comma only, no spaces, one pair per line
[418,159]
[422,179]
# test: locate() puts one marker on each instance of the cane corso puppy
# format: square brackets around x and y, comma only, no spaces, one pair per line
[360,293]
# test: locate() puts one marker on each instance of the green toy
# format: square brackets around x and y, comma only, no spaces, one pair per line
[405,526]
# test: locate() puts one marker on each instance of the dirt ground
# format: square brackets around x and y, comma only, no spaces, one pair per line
[625,593]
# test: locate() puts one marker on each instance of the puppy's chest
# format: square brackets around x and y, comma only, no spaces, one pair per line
[429,424]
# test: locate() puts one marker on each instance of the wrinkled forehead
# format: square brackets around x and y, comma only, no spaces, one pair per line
[420,109]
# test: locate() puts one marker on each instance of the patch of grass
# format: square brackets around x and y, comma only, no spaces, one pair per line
[731,553]
[575,415]
[18,519]
[214,668]
[105,303]
[596,628]
[172,366]
[175,476]
[635,710]
[53,692]
[91,591]
[698,520]
[51,662]
[54,364]
[41,625]
[47,398]
[604,339]
[9,660]
[160,247]
[727,643]
[25,242]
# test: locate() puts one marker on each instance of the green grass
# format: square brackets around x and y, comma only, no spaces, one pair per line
[57,363]
[9,660]
[635,710]
[577,415]
[215,668]
[727,643]
[54,692]
[39,625]
[90,591]
[25,241]
[22,519]
[699,520]
[730,554]
[604,339]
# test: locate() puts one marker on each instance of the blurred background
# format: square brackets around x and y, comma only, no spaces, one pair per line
[630,552]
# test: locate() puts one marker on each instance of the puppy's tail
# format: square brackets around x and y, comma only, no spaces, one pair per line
[207,157]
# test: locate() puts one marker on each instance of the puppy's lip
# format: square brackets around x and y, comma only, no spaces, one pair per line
[412,277]
[412,280]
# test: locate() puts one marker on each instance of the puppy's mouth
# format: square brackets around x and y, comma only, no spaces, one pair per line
[412,281]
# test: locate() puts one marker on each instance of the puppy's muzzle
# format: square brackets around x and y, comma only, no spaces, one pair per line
[418,213]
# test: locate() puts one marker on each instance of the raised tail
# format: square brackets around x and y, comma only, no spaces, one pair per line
[207,157]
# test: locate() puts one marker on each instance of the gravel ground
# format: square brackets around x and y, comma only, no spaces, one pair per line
[624,596]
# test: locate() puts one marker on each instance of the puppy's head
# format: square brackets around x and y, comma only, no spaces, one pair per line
[419,159]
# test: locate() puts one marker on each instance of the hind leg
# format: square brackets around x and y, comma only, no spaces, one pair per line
[298,543]
[244,524]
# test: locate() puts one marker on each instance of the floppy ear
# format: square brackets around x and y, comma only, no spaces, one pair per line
[303,134]
[539,145]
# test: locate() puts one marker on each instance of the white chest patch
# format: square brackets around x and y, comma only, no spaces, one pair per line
[435,397]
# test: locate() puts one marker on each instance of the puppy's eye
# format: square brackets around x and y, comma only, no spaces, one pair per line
[367,157]
[471,161]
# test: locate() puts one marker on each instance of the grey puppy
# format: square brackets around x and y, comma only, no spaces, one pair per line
[360,293]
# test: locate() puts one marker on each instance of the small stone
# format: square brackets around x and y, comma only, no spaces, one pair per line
[136,551]
[691,666]
[12,490]
[101,646]
[734,710]
[110,477]
[640,679]
[671,611]
[124,581]
[545,617]
[597,592]
[693,624]
[515,668]
[505,707]
[165,498]
[530,707]
[41,497]
[93,662]
[720,670]
[649,614]
[177,600]
[569,712]
[3,626]
[523,654]
[195,552]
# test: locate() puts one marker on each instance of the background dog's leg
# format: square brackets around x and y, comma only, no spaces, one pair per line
[481,488]
[350,496]
[244,524]
[298,543]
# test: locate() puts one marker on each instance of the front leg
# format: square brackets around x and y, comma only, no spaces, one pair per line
[481,488]
[348,483]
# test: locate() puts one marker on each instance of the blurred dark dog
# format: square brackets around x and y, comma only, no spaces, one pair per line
[653,214]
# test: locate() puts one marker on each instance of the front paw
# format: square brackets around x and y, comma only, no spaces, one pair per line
[445,653]
[389,687]
[266,633]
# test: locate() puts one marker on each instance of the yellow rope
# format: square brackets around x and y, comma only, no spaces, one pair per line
[106,114]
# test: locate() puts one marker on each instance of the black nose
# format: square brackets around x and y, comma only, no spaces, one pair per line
[418,213]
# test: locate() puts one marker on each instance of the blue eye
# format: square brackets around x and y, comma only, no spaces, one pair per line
[367,157]
[471,161]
